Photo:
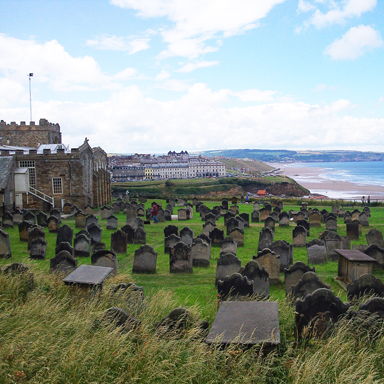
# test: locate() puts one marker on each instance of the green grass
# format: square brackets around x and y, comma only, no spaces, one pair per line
[46,334]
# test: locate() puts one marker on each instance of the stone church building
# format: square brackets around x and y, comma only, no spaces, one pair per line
[38,172]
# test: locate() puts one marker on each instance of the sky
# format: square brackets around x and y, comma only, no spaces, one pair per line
[149,76]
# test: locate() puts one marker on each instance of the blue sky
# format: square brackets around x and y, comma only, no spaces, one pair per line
[150,76]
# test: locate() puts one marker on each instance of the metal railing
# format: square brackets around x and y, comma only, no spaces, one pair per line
[41,195]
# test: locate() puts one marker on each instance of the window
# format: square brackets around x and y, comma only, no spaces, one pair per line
[30,164]
[57,185]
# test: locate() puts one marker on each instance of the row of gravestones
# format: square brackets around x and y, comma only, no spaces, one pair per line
[18,216]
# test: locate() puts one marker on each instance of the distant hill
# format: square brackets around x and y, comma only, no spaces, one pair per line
[275,155]
[252,165]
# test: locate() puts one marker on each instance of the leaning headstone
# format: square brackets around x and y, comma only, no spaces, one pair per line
[315,219]
[38,249]
[88,210]
[145,260]
[353,230]
[105,259]
[270,223]
[63,262]
[167,215]
[375,236]
[29,216]
[365,285]
[316,252]
[308,284]
[106,212]
[7,220]
[284,219]
[80,220]
[112,222]
[299,236]
[294,274]
[130,213]
[140,236]
[331,223]
[18,217]
[35,232]
[208,227]
[119,242]
[313,306]
[255,218]
[170,241]
[96,232]
[364,219]
[186,235]
[200,253]
[56,213]
[42,219]
[264,213]
[228,215]
[285,251]
[171,229]
[377,253]
[5,245]
[180,259]
[130,232]
[259,276]
[332,241]
[268,259]
[305,224]
[67,208]
[234,285]
[82,246]
[64,246]
[216,236]
[91,219]
[245,217]
[227,264]
[116,208]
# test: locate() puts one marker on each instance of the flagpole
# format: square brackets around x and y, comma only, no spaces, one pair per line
[30,96]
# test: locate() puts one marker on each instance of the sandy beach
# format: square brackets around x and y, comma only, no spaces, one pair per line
[310,178]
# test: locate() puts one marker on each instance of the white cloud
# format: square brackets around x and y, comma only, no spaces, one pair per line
[126,74]
[192,66]
[197,21]
[254,95]
[355,43]
[337,12]
[163,75]
[116,43]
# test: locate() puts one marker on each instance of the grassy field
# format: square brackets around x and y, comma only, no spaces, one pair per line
[46,335]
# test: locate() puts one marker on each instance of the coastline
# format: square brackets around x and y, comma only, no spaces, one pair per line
[311,179]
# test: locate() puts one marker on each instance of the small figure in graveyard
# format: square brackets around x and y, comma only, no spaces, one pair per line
[246,199]
[127,192]
[363,200]
[154,213]
[369,200]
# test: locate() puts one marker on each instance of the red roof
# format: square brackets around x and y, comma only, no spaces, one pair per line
[261,192]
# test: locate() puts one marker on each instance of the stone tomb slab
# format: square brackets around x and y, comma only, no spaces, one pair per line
[88,276]
[246,323]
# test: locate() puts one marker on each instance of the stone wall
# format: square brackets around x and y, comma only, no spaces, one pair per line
[32,135]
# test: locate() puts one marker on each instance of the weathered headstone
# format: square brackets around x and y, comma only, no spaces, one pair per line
[180,260]
[23,230]
[245,217]
[237,235]
[130,232]
[234,285]
[5,245]
[200,253]
[284,219]
[375,236]
[216,236]
[88,210]
[80,220]
[294,274]
[53,224]
[96,232]
[308,284]
[56,213]
[64,234]
[119,242]
[140,236]
[18,217]
[186,235]
[106,212]
[145,260]
[42,219]
[255,218]
[265,238]
[29,216]
[268,259]
[365,285]
[105,258]
[64,246]
[38,249]
[112,222]
[270,222]
[63,262]
[82,245]
[285,251]
[377,253]
[7,220]
[299,236]
[34,232]
[259,276]
[332,241]
[316,252]
[227,264]
[228,245]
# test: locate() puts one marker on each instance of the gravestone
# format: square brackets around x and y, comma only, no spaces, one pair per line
[224,204]
[56,213]
[80,220]
[210,217]
[293,275]
[263,214]
[268,259]
[304,224]
[315,219]
[145,260]
[319,302]
[234,200]
[96,232]
[255,217]
[63,262]
[259,276]
[38,249]
[265,238]
[316,252]
[182,214]
[375,236]
[228,245]
[140,236]
[64,246]
[105,258]
[234,209]
[216,236]
[170,241]
[133,222]
[5,245]
[83,232]
[308,284]
[299,236]
[284,219]
[227,264]
[237,235]
[377,253]
[245,217]
[130,213]
[353,230]
[332,241]
[169,207]
[364,219]
[130,232]
[42,219]
[256,206]
[355,214]
[285,251]
[234,285]
[53,224]
[161,215]
[200,253]
[374,306]
[7,220]
[208,227]
[18,217]
[116,208]
[186,235]
[98,246]
[231,224]
[228,215]
[91,219]
[112,222]
[23,230]
[67,208]
[140,212]
[180,260]
[64,234]
[34,232]
[29,216]
[365,285]
[167,215]
[88,210]
[82,246]
[119,242]
[106,212]
[335,209]
[331,223]
[270,223]
[181,202]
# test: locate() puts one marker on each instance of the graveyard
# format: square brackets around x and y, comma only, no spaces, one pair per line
[106,295]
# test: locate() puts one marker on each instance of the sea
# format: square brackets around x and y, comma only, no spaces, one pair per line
[363,173]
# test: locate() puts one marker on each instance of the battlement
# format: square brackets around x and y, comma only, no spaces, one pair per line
[43,125]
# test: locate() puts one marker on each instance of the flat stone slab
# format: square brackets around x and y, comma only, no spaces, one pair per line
[246,323]
[354,255]
[88,275]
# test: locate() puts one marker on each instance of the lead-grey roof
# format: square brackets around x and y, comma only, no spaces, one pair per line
[5,169]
